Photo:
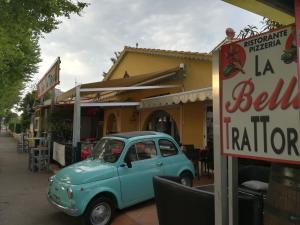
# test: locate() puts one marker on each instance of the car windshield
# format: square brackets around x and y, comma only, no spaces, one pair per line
[108,150]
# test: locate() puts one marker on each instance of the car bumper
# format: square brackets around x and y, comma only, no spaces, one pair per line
[67,210]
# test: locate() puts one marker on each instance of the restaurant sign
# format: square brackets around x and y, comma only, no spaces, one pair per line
[50,79]
[259,97]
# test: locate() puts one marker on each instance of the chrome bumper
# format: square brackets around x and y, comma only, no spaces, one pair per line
[67,210]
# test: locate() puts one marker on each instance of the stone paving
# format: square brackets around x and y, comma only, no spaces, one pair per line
[23,195]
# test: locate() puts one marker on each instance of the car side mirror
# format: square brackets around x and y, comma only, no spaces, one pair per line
[128,162]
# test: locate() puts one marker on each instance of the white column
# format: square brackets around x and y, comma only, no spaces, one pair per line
[220,162]
[233,190]
[76,117]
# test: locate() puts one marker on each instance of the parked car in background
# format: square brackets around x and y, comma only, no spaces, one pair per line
[117,175]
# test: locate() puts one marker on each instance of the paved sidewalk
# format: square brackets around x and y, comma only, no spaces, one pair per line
[23,193]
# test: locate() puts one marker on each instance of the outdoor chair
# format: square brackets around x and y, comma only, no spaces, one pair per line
[210,161]
[253,172]
[178,204]
[203,162]
[193,155]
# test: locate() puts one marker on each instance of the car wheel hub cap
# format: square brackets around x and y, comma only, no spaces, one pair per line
[101,214]
[183,181]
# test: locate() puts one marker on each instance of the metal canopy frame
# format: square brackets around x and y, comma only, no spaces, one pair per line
[78,104]
[108,104]
[128,88]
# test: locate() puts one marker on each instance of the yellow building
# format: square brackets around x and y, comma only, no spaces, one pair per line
[177,102]
[153,89]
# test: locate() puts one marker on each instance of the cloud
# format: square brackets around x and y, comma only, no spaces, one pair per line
[86,43]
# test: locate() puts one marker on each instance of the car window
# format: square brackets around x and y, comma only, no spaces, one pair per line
[167,148]
[131,154]
[142,150]
[108,150]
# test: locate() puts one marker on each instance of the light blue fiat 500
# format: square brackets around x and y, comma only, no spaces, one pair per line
[117,175]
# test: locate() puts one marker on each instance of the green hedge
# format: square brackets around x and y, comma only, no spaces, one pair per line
[15,127]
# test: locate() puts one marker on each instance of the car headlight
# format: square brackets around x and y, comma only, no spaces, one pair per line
[70,192]
[50,179]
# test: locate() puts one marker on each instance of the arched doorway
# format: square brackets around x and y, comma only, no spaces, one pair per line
[161,121]
[111,124]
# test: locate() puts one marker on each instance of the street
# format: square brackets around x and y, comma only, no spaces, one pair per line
[23,193]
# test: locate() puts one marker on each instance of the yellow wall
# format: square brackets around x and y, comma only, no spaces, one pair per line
[107,113]
[189,120]
[130,119]
[198,72]
[192,124]
[173,111]
[189,117]
[127,119]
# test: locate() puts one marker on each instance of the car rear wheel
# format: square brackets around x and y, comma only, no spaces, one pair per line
[186,179]
[99,212]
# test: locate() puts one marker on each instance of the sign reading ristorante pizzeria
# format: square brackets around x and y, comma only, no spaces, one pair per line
[259,97]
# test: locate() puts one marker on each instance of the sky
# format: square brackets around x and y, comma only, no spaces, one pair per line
[86,43]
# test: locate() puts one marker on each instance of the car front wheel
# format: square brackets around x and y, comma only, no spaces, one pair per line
[99,212]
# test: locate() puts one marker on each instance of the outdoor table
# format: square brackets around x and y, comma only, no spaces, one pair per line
[40,140]
[203,161]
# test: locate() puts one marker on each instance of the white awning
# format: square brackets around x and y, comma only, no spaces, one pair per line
[182,97]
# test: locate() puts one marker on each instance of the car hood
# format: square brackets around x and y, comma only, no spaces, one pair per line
[85,172]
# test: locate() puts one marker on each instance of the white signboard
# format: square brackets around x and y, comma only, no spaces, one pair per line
[259,97]
[59,153]
[50,79]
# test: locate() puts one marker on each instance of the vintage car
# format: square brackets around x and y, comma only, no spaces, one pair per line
[118,174]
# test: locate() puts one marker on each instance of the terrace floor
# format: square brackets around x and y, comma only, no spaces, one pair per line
[145,213]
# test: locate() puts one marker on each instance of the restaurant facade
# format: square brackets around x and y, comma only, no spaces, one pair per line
[152,89]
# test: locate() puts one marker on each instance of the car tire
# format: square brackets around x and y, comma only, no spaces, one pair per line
[99,212]
[186,179]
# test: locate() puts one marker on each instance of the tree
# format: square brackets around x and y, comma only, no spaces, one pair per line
[251,30]
[26,106]
[22,23]
[12,121]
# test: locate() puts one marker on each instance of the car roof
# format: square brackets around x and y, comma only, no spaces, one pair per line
[134,134]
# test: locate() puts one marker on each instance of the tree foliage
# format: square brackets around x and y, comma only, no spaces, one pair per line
[26,106]
[22,23]
[251,30]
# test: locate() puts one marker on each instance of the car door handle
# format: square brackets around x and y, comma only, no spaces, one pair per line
[159,164]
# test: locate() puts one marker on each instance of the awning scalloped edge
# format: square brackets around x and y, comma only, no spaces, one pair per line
[183,97]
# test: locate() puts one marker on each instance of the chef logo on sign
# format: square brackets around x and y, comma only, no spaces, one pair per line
[233,61]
